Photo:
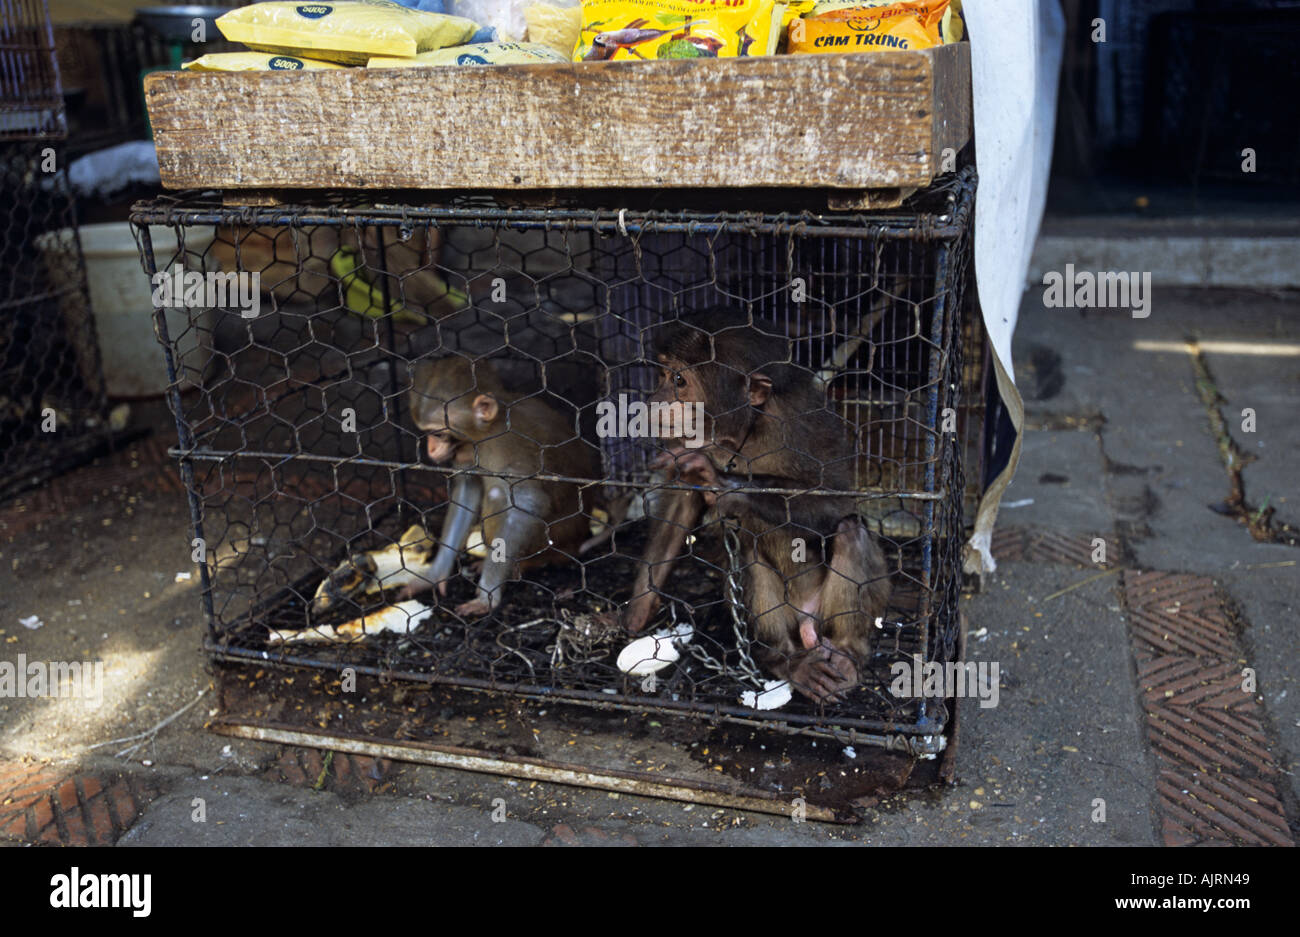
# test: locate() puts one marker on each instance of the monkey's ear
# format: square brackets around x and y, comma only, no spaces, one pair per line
[422,377]
[486,409]
[760,388]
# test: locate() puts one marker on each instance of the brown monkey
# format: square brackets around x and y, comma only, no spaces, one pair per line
[472,421]
[767,425]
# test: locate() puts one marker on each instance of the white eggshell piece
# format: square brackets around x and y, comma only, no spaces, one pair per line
[774,695]
[654,652]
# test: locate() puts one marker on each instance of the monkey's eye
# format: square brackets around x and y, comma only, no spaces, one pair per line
[679,380]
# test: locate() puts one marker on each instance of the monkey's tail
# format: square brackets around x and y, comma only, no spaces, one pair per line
[839,359]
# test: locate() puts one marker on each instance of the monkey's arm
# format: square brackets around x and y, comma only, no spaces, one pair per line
[674,515]
[778,510]
[464,504]
[523,533]
[802,514]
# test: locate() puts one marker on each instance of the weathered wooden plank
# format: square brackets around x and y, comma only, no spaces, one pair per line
[952,105]
[855,121]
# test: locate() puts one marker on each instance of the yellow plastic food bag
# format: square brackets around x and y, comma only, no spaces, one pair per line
[674,29]
[253,62]
[554,26]
[347,31]
[908,24]
[951,27]
[480,53]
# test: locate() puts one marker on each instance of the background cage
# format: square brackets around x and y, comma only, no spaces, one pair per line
[103,63]
[31,96]
[53,410]
[559,299]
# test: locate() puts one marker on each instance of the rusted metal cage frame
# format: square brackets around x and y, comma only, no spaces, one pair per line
[951,230]
[28,22]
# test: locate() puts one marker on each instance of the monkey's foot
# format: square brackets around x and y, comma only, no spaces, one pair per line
[825,673]
[412,589]
[474,608]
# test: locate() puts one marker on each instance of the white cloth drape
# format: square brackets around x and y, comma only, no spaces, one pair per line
[1016,49]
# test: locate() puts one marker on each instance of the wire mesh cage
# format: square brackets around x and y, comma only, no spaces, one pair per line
[410,441]
[104,65]
[31,96]
[53,409]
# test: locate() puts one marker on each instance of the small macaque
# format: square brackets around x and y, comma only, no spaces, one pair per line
[814,578]
[472,422]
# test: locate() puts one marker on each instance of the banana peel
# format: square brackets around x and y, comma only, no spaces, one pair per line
[367,299]
[399,564]
[402,618]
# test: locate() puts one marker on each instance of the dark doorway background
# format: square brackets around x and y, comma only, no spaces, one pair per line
[1155,119]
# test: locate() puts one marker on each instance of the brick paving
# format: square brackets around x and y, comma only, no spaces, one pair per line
[1021,544]
[56,806]
[346,774]
[1216,769]
[1204,720]
[1216,774]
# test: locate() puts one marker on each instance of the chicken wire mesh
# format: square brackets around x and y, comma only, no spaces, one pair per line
[53,409]
[52,404]
[319,513]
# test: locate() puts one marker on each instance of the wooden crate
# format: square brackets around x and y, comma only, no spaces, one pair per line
[846,123]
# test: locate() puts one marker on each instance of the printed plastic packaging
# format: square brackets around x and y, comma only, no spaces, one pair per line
[674,29]
[348,31]
[865,27]
[480,53]
[254,62]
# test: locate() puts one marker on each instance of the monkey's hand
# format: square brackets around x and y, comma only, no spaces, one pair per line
[639,611]
[691,467]
[823,672]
